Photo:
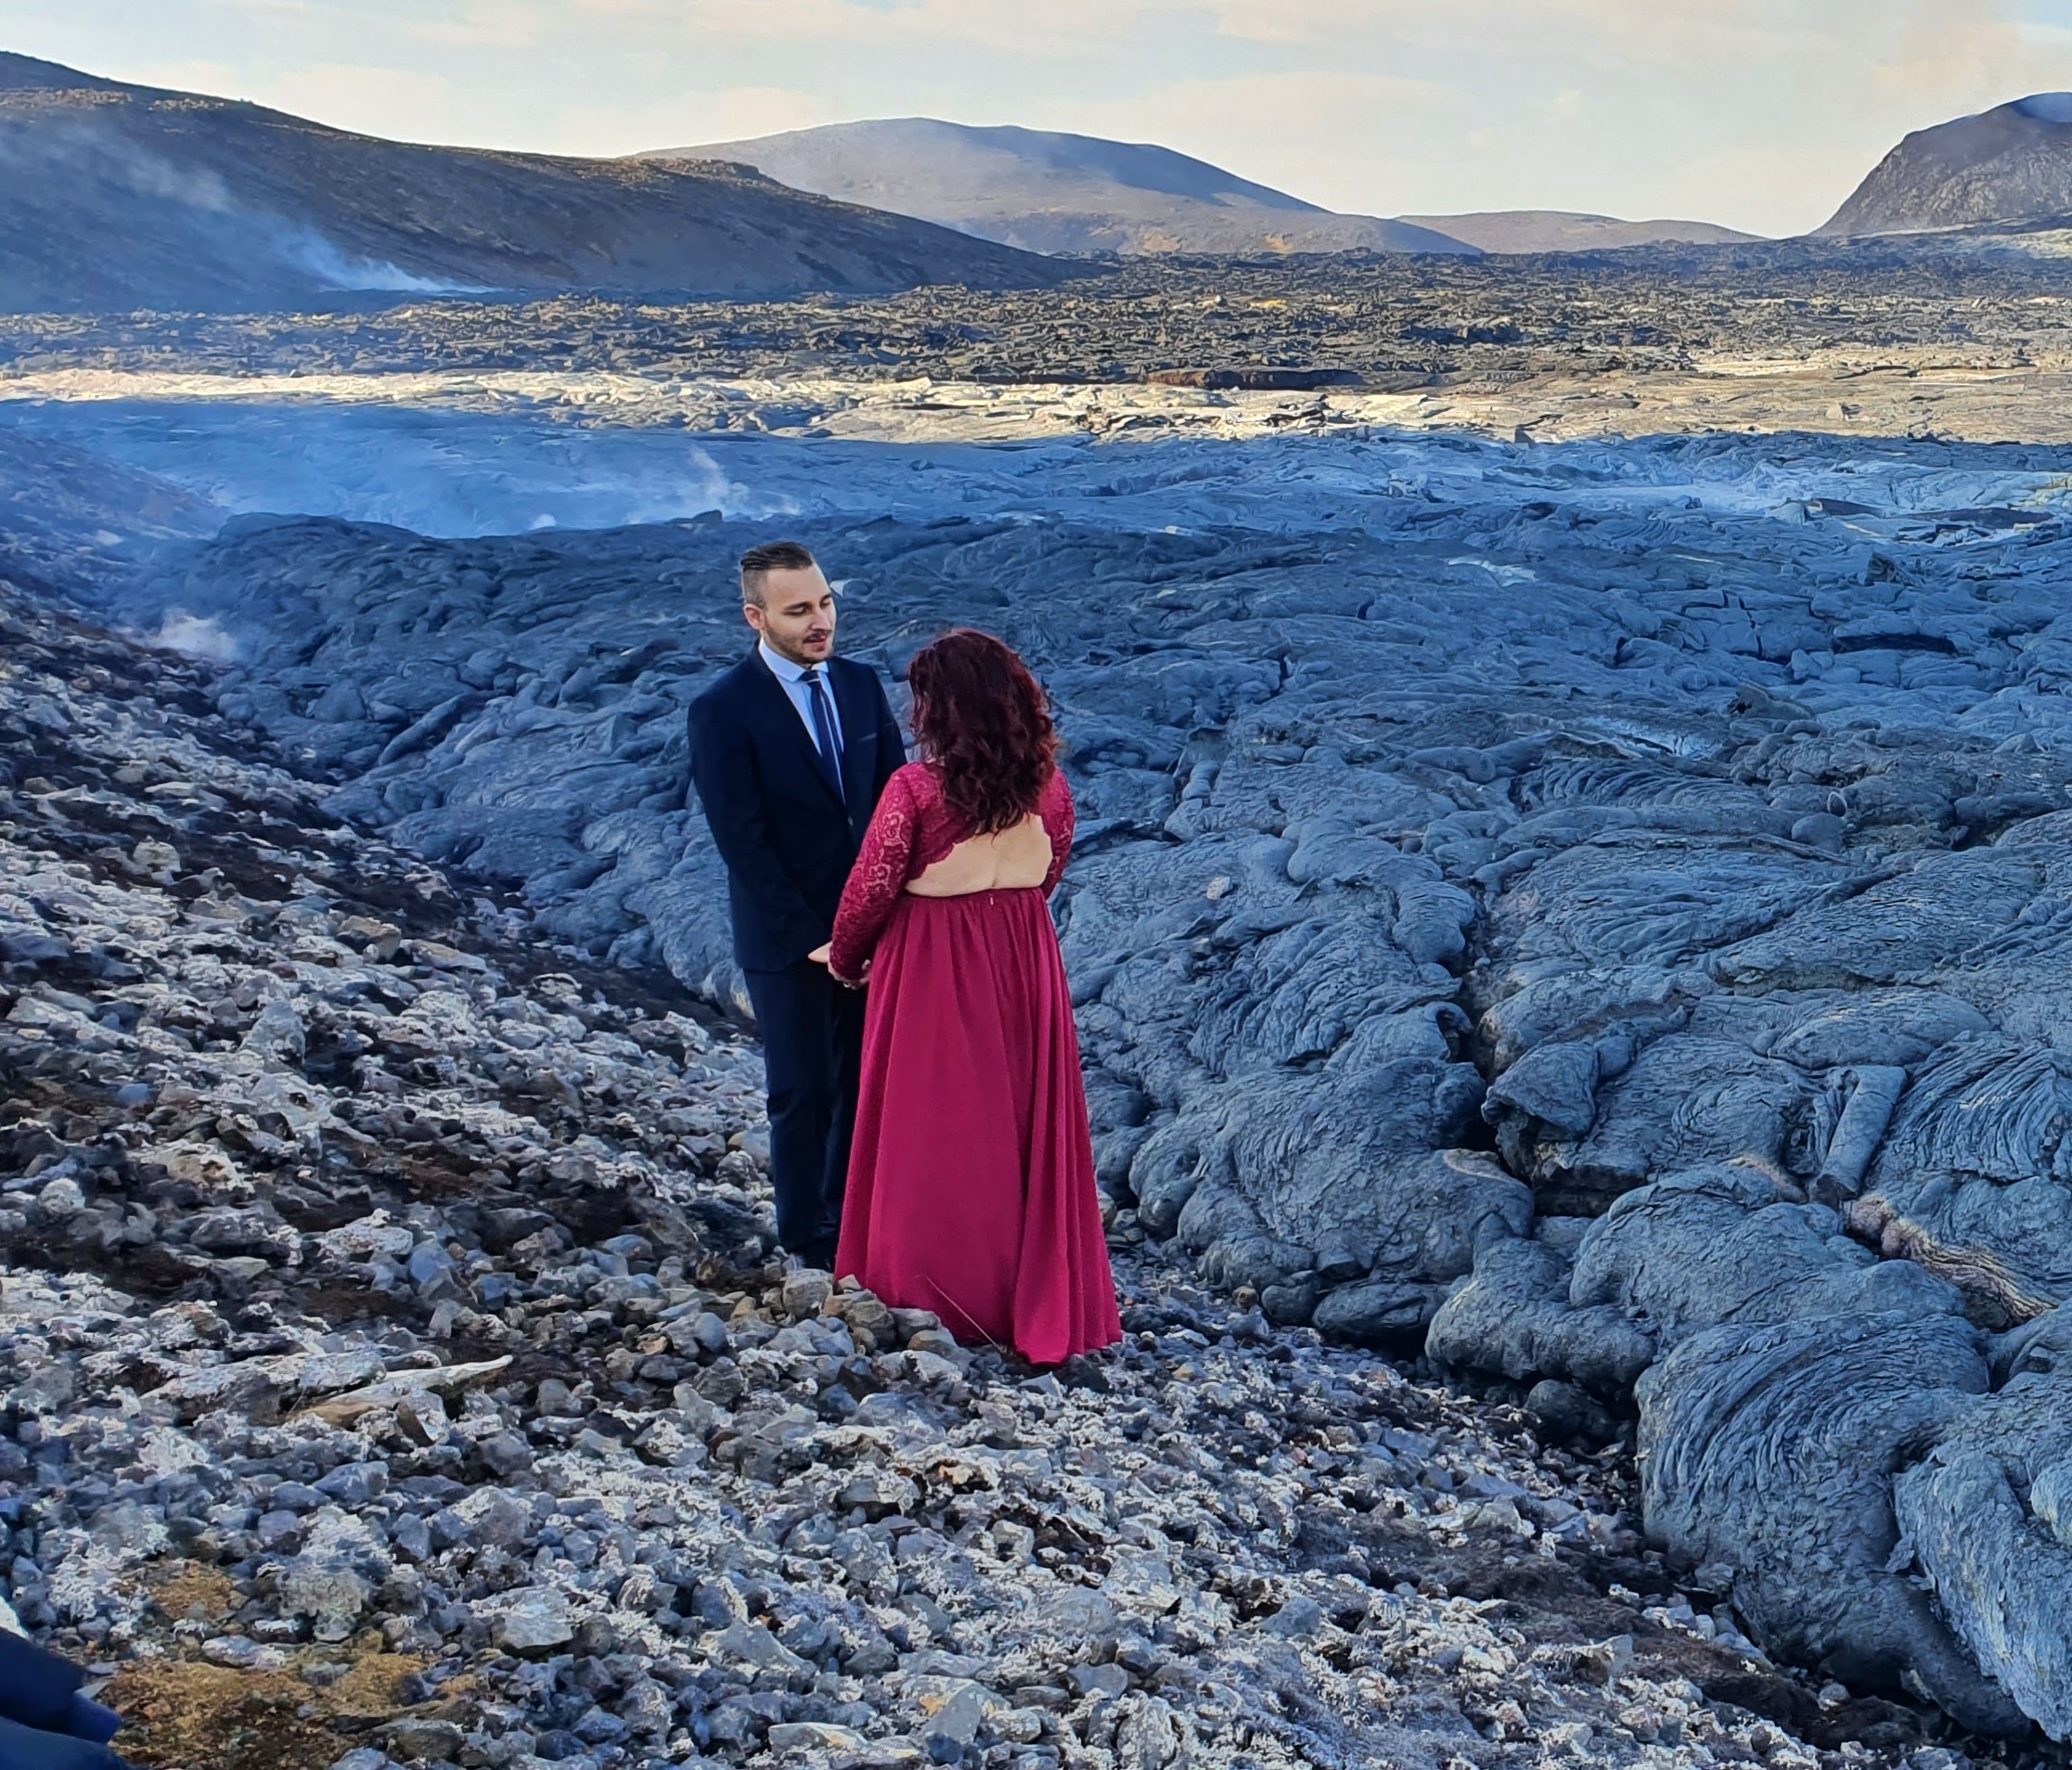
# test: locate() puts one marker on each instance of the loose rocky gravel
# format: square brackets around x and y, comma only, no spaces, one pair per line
[396,1370]
[1346,317]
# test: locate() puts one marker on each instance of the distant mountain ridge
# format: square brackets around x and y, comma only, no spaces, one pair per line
[1049,192]
[115,197]
[2010,164]
[1562,230]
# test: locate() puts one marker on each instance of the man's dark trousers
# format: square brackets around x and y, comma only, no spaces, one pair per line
[812,1050]
[788,836]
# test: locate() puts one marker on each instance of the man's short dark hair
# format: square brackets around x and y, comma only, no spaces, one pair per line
[757,563]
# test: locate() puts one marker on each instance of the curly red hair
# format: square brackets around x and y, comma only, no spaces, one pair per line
[984,722]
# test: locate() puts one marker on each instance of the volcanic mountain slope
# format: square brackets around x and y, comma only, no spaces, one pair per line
[2013,163]
[115,197]
[1562,230]
[1058,193]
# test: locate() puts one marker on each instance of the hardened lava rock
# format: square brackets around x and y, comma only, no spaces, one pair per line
[396,1374]
[1510,878]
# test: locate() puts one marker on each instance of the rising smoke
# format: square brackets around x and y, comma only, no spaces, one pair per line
[143,192]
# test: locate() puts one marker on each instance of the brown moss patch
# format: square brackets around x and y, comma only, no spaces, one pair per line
[184,1590]
[182,1714]
[376,1687]
[1996,1297]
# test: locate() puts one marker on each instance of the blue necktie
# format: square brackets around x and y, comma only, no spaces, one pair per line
[824,728]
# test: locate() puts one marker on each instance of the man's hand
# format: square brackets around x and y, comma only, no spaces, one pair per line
[820,954]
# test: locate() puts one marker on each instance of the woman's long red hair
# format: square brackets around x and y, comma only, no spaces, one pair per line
[984,722]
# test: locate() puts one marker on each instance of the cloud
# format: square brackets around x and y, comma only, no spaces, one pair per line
[690,117]
[1760,113]
[1967,47]
[186,74]
[1056,30]
[1340,139]
[403,104]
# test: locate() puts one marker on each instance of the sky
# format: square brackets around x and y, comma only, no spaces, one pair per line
[1761,114]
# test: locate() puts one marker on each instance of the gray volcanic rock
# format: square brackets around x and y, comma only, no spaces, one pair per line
[1048,192]
[422,1380]
[1562,230]
[1605,901]
[1787,1345]
[116,197]
[1839,1402]
[2013,163]
[1558,349]
[1984,1522]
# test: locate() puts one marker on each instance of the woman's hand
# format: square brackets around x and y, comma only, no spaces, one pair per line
[822,955]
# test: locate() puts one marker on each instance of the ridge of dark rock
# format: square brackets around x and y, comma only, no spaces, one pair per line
[2010,164]
[1051,192]
[123,198]
[1562,230]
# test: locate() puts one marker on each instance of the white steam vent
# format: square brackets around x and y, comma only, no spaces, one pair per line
[192,636]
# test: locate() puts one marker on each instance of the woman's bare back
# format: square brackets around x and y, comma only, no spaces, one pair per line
[1016,859]
[912,849]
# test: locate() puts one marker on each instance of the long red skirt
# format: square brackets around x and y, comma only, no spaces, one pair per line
[972,1175]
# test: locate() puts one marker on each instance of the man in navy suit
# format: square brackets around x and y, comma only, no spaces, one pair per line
[790,751]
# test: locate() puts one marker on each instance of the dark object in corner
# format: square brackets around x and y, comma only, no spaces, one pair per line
[46,1724]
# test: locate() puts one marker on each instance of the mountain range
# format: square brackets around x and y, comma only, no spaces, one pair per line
[1049,192]
[1565,230]
[115,197]
[2009,165]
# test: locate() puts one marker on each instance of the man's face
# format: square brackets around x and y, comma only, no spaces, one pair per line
[796,614]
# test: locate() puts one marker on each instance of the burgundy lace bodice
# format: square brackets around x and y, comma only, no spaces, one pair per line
[912,829]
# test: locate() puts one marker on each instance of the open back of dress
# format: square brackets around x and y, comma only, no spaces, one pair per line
[1016,859]
[917,847]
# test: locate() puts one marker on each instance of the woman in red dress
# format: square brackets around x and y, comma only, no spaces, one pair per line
[972,1175]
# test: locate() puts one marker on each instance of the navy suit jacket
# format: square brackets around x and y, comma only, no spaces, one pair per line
[787,838]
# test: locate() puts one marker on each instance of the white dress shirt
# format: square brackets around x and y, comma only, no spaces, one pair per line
[791,679]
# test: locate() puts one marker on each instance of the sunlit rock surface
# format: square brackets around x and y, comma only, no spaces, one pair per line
[1602,906]
[397,1370]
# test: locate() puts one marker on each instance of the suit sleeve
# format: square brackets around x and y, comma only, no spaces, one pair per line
[892,741]
[723,769]
[879,875]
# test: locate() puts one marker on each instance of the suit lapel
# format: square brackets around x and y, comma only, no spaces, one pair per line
[859,717]
[779,706]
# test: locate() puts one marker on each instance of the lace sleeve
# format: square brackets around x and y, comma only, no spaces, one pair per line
[1060,818]
[881,873]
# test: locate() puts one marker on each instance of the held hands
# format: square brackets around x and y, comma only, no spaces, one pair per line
[820,955]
